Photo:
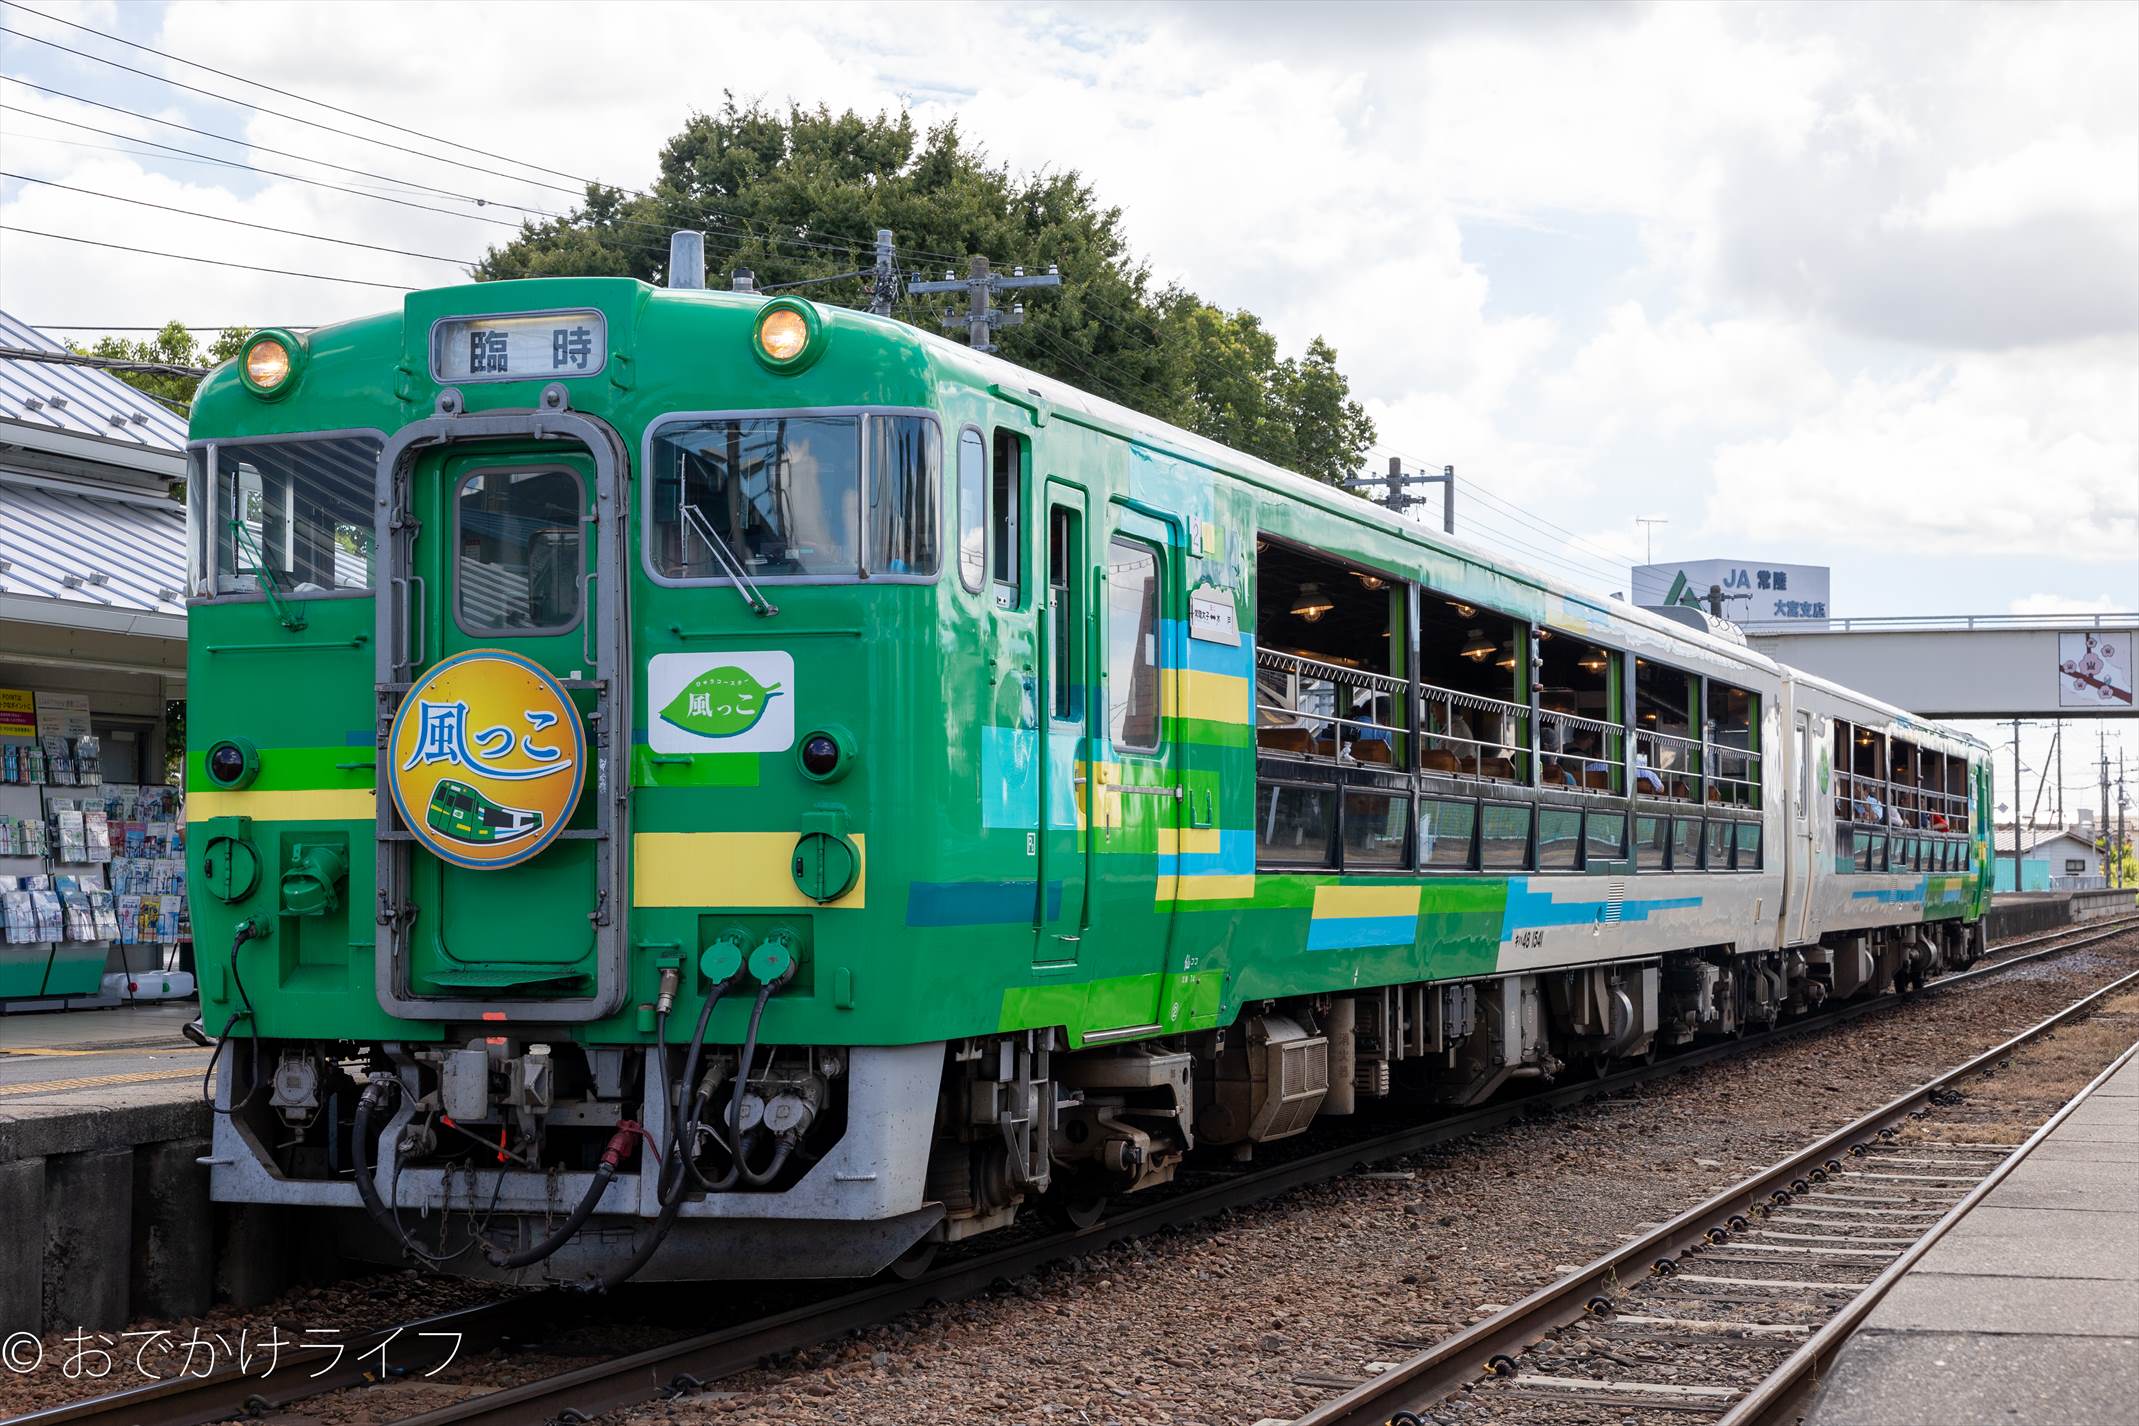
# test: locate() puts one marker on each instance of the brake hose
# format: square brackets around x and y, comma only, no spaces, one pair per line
[754,1177]
[620,1145]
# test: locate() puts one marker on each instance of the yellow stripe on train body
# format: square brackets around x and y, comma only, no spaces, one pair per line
[1209,697]
[729,869]
[319,804]
[1219,886]
[1338,902]
[1192,841]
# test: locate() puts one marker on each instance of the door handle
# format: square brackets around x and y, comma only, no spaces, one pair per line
[417,610]
[1173,792]
[586,618]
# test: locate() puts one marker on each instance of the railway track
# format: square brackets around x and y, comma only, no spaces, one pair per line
[689,1363]
[1728,1312]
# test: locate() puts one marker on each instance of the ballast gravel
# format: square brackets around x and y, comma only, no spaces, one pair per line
[1252,1315]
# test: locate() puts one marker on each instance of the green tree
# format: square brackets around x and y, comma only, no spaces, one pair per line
[173,345]
[797,195]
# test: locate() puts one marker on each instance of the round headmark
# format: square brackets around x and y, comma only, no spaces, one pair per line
[487,759]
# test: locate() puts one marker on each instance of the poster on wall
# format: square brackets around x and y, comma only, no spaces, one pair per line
[18,713]
[63,715]
[2094,669]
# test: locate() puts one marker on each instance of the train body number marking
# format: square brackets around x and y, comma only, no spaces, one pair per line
[1530,940]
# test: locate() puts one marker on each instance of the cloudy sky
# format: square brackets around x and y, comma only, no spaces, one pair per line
[1844,285]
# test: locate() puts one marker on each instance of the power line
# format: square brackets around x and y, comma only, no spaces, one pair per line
[237,222]
[277,113]
[154,368]
[404,183]
[210,261]
[287,94]
[251,168]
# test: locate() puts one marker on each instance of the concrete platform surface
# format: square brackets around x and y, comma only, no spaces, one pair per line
[88,1079]
[2027,1310]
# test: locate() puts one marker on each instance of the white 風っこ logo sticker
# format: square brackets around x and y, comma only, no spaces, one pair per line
[720,702]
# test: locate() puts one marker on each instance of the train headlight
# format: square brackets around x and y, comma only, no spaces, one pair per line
[826,755]
[789,334]
[269,361]
[233,763]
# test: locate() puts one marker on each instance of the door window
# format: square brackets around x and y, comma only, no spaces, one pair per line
[518,561]
[1132,645]
[972,483]
[1063,560]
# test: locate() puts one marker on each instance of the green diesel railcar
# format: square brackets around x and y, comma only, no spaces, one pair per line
[718,786]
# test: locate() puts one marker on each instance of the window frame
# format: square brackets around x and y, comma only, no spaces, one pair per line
[1157,555]
[205,576]
[958,516]
[863,473]
[579,605]
[1007,595]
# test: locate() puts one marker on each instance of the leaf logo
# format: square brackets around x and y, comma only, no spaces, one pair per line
[720,703]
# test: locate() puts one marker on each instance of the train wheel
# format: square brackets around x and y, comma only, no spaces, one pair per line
[1073,1207]
[915,1261]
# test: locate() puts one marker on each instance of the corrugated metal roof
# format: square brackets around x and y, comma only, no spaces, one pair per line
[78,400]
[84,548]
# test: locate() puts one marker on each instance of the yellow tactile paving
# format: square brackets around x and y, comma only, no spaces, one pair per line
[96,1081]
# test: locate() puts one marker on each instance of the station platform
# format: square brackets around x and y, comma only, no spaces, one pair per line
[102,1128]
[2027,1309]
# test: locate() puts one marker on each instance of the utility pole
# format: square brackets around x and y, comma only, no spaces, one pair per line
[2102,744]
[1648,525]
[884,280]
[2057,746]
[2017,838]
[982,317]
[1396,489]
[2123,839]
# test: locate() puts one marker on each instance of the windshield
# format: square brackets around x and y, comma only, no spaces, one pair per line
[785,495]
[297,511]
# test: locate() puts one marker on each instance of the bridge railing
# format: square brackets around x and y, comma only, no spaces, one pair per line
[1937,623]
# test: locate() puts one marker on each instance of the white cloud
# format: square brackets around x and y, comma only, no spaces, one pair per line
[2036,604]
[2017,454]
[1879,290]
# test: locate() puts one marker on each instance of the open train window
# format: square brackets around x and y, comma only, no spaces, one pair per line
[1580,737]
[1474,716]
[1664,741]
[1006,504]
[1734,745]
[1325,685]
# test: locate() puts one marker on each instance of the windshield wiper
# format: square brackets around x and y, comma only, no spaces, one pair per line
[695,519]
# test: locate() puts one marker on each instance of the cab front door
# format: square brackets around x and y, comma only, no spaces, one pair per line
[501,837]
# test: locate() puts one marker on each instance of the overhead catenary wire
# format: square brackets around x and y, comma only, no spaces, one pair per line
[276,113]
[210,261]
[153,368]
[285,93]
[238,222]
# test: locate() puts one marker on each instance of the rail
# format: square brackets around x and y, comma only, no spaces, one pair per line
[1490,1348]
[1306,707]
[698,1360]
